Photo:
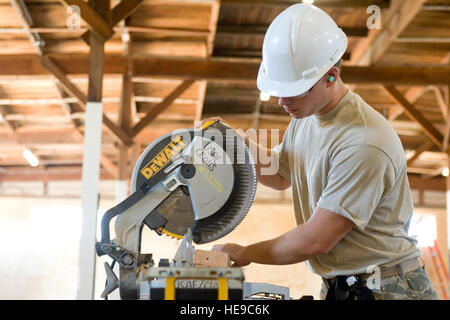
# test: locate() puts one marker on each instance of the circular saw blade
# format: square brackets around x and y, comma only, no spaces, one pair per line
[178,207]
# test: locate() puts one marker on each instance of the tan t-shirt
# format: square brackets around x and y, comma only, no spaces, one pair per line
[351,161]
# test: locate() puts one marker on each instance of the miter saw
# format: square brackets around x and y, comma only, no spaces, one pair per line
[191,184]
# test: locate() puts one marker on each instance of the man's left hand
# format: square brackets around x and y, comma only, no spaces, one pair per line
[236,253]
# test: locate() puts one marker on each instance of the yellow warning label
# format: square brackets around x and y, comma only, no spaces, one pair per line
[163,157]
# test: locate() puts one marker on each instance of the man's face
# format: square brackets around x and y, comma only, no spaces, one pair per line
[305,104]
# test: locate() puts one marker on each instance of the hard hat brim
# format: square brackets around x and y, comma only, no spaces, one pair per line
[283,89]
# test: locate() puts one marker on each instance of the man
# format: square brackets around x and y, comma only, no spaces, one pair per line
[346,167]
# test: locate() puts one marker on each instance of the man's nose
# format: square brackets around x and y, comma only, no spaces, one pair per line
[283,101]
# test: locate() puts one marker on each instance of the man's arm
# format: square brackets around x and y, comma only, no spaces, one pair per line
[316,237]
[274,181]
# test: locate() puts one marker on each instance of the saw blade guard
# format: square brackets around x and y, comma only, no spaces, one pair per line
[212,177]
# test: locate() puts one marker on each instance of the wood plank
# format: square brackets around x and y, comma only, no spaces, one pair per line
[415,115]
[211,259]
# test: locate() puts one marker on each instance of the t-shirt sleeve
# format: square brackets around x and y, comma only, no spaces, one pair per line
[358,178]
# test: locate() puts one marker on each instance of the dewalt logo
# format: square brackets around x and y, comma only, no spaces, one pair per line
[163,157]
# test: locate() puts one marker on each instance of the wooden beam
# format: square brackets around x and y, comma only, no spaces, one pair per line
[160,107]
[424,147]
[124,9]
[120,12]
[447,128]
[413,94]
[214,18]
[370,50]
[216,69]
[415,115]
[104,160]
[443,105]
[434,184]
[56,71]
[260,30]
[320,3]
[93,18]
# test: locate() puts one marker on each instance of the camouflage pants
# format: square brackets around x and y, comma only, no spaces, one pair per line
[413,285]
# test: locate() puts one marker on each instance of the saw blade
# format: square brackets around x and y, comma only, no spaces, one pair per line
[178,207]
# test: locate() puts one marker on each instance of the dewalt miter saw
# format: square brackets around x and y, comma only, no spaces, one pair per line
[196,182]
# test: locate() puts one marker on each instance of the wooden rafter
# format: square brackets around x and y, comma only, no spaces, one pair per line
[34,37]
[415,115]
[216,69]
[413,94]
[160,107]
[424,147]
[370,50]
[320,3]
[93,18]
[447,128]
[443,105]
[97,23]
[59,74]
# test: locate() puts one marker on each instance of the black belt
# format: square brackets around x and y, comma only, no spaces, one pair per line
[353,287]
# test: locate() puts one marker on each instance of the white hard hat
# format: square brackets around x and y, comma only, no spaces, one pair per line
[301,44]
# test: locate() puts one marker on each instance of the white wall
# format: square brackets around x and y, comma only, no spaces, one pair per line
[40,252]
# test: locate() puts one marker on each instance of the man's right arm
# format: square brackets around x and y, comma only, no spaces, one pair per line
[273,180]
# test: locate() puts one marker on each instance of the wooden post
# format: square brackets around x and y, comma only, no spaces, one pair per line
[91,158]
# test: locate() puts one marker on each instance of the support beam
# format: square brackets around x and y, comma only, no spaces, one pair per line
[93,18]
[320,3]
[370,50]
[447,128]
[260,30]
[216,69]
[91,156]
[160,107]
[447,194]
[56,71]
[415,115]
[432,184]
[427,145]
[443,105]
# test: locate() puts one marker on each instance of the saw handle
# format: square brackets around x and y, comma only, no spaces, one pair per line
[114,211]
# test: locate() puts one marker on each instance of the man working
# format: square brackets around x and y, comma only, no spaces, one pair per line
[346,167]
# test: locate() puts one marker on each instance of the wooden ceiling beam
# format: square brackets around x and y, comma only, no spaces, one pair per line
[434,184]
[261,30]
[93,18]
[415,115]
[427,145]
[320,3]
[370,50]
[160,107]
[59,74]
[216,69]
